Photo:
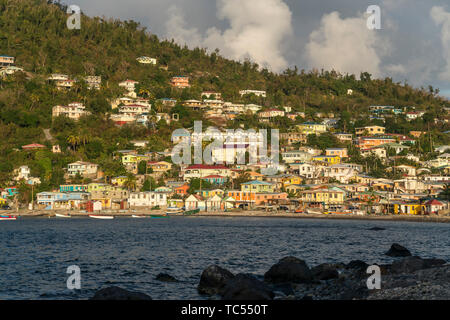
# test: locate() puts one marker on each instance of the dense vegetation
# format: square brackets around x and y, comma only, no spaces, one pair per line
[35,32]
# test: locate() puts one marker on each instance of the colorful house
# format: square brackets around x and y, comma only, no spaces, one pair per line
[181,190]
[119,181]
[215,179]
[73,188]
[312,128]
[210,193]
[328,159]
[257,186]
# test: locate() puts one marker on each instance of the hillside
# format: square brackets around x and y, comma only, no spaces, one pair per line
[35,33]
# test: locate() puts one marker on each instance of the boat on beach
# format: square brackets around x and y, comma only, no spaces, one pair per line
[138,217]
[59,215]
[8,218]
[174,211]
[101,217]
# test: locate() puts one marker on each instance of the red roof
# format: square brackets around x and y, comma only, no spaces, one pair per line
[434,202]
[205,166]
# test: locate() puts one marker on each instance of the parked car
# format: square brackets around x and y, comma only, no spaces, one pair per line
[284,208]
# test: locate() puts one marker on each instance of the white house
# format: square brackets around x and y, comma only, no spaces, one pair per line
[258,93]
[73,111]
[83,168]
[147,199]
[146,60]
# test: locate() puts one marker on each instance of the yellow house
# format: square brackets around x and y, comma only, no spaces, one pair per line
[341,152]
[133,159]
[312,128]
[409,208]
[328,159]
[98,187]
[211,193]
[292,180]
[159,166]
[119,181]
[361,178]
[323,196]
[257,186]
[2,201]
[370,130]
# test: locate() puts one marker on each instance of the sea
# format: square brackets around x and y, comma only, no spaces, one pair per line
[37,253]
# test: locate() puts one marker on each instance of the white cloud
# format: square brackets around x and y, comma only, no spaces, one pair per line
[442,18]
[258,30]
[344,45]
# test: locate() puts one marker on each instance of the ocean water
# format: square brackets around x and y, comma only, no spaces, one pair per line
[35,253]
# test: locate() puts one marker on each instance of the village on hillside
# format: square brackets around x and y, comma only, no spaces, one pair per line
[310,178]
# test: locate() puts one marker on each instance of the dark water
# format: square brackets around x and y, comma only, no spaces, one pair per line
[35,253]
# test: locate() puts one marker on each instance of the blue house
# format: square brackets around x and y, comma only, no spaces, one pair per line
[215,179]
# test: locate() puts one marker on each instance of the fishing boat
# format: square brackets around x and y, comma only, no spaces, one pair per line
[8,218]
[138,217]
[191,212]
[157,216]
[101,217]
[59,215]
[174,211]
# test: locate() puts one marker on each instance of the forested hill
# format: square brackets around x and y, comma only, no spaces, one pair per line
[36,34]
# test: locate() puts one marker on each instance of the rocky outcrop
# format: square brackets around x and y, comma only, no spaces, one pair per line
[411,264]
[164,277]
[397,250]
[325,271]
[213,280]
[289,269]
[246,287]
[116,293]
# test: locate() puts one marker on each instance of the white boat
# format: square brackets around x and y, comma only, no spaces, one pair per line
[313,211]
[138,217]
[101,217]
[7,218]
[174,211]
[58,215]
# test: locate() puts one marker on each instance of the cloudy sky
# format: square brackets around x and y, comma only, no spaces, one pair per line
[413,43]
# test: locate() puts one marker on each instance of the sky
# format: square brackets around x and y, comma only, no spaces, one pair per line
[412,43]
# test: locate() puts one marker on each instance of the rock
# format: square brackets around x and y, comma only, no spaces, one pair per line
[285,288]
[376,229]
[397,250]
[360,292]
[357,264]
[429,263]
[411,264]
[246,287]
[164,277]
[325,271]
[289,269]
[213,280]
[116,293]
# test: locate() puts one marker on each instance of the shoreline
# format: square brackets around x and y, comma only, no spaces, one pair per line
[236,214]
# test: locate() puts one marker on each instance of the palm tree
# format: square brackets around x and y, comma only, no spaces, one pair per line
[130,183]
[74,141]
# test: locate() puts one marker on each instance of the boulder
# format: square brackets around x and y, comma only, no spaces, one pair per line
[164,277]
[289,269]
[414,263]
[116,293]
[213,280]
[357,264]
[246,287]
[325,271]
[397,250]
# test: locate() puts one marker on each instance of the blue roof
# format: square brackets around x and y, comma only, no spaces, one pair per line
[254,182]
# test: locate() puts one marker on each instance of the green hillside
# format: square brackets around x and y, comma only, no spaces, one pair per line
[35,32]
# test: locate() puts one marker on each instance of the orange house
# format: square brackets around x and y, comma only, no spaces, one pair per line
[181,190]
[256,198]
[370,142]
[180,82]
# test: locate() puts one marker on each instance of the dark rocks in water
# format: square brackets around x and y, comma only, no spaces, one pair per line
[325,271]
[357,292]
[289,269]
[213,280]
[246,287]
[116,293]
[357,264]
[164,277]
[397,250]
[376,229]
[286,288]
[414,263]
